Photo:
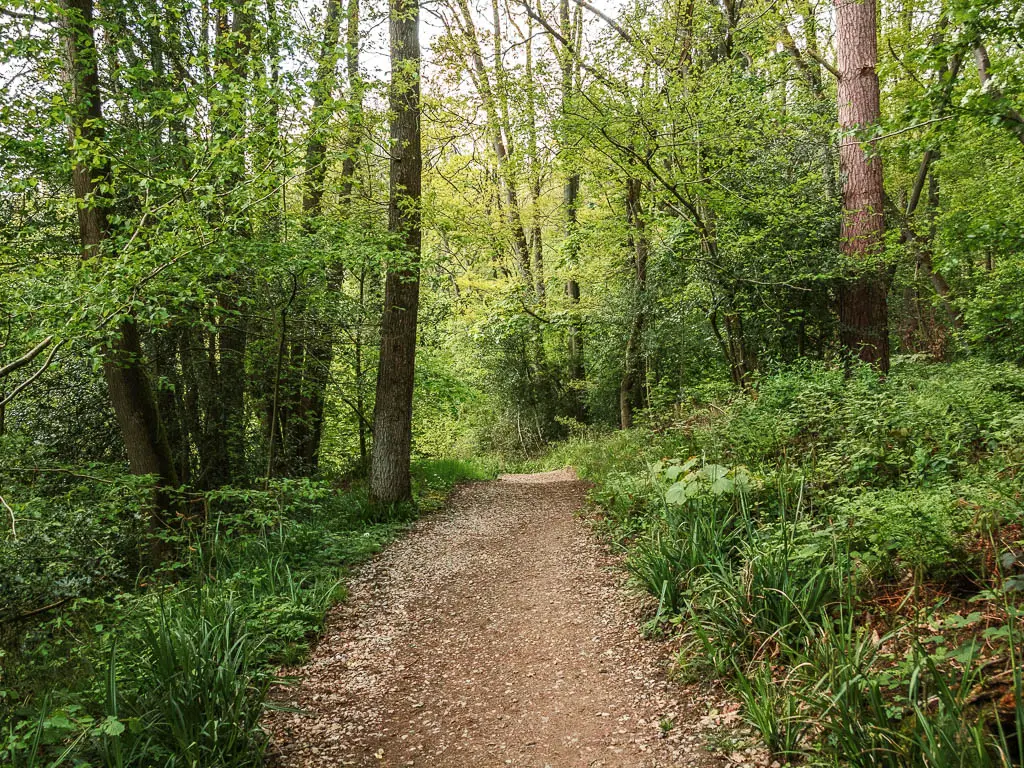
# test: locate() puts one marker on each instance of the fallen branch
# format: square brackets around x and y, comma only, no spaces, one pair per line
[44,609]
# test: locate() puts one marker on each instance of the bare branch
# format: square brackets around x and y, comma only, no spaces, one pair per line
[14,527]
[24,16]
[901,130]
[17,390]
[625,35]
[27,358]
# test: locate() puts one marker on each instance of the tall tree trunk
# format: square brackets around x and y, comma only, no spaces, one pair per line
[354,107]
[390,481]
[569,65]
[323,110]
[131,394]
[224,384]
[496,124]
[536,230]
[863,303]
[313,365]
[631,383]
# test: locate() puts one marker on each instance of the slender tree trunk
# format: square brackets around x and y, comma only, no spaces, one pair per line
[232,341]
[570,199]
[631,383]
[312,364]
[353,130]
[536,230]
[358,374]
[496,123]
[321,113]
[224,383]
[863,302]
[390,480]
[131,394]
[1007,115]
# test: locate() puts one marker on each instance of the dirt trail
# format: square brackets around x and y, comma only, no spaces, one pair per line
[497,633]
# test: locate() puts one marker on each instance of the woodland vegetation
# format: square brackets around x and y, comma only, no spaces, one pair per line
[275,275]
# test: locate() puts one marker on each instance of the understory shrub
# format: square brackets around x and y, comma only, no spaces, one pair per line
[845,551]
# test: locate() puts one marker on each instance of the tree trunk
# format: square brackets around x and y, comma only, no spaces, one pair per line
[390,481]
[131,394]
[496,124]
[863,306]
[318,359]
[231,343]
[536,229]
[631,383]
[570,197]
[1006,114]
[353,130]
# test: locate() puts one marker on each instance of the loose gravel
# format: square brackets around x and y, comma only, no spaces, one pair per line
[498,633]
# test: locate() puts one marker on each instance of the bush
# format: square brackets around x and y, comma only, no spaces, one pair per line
[891,530]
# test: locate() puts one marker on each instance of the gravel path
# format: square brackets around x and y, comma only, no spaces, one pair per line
[497,633]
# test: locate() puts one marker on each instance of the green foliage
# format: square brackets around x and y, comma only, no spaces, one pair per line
[922,529]
[772,551]
[195,693]
[173,670]
[778,597]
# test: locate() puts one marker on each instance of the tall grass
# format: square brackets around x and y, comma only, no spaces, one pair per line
[195,689]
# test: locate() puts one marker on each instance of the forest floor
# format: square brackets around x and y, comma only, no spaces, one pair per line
[499,632]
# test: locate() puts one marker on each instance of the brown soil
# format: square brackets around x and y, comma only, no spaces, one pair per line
[498,633]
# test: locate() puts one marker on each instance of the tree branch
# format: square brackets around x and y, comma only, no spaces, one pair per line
[27,358]
[607,20]
[17,390]
[1010,117]
[14,526]
[533,314]
[23,16]
[824,62]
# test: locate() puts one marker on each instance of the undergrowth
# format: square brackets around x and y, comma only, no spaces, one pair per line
[105,663]
[845,552]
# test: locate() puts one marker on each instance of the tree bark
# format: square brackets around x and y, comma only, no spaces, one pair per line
[321,113]
[131,394]
[312,362]
[390,481]
[863,300]
[1008,116]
